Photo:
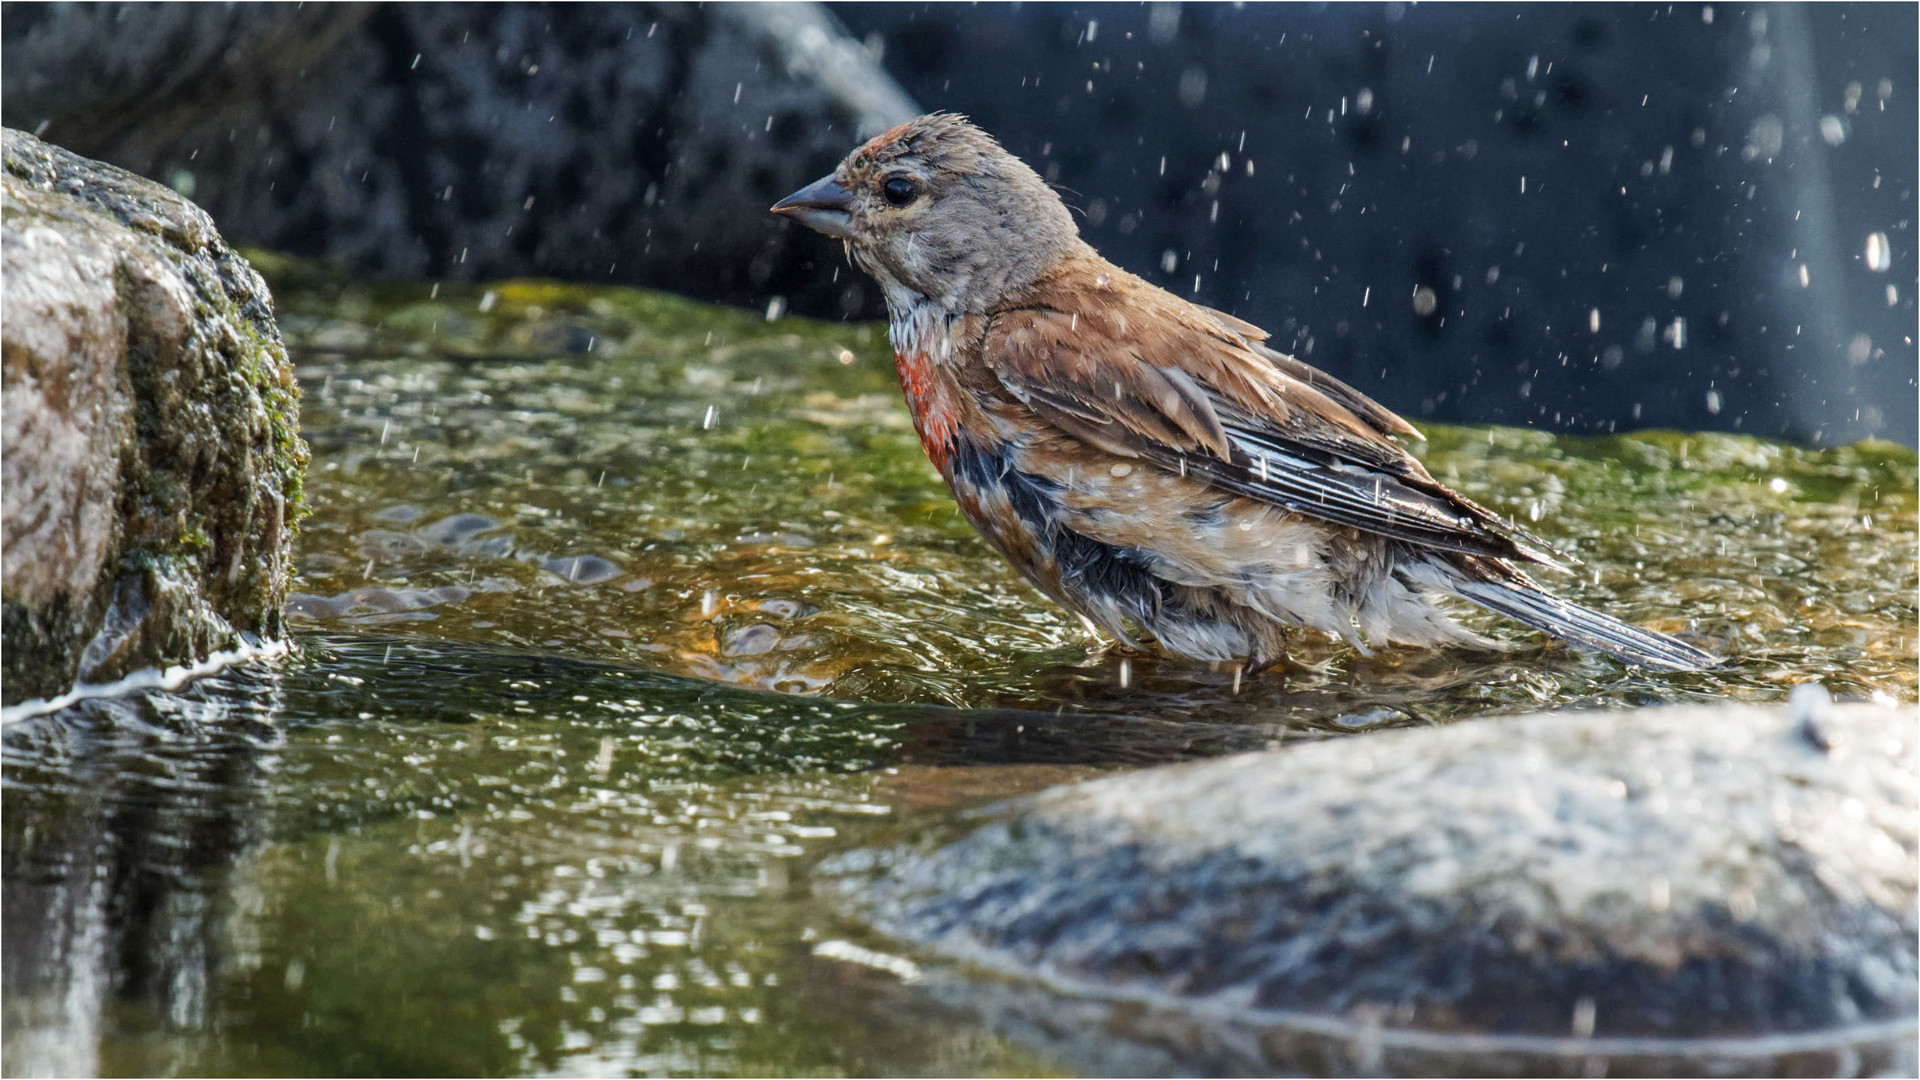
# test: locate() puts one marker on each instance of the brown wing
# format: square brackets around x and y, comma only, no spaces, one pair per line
[1141,374]
[1383,419]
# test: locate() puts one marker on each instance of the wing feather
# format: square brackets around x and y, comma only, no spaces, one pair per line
[1190,389]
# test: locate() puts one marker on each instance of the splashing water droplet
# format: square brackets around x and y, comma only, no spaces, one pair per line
[1879,253]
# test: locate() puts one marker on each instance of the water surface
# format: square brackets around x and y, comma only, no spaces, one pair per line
[616,612]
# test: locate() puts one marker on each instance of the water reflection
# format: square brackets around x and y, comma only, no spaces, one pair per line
[123,821]
[299,866]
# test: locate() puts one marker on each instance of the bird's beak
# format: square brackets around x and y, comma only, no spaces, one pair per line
[823,206]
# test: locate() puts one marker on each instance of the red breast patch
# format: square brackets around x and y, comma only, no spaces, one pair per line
[929,397]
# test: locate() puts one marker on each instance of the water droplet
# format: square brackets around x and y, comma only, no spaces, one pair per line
[1879,253]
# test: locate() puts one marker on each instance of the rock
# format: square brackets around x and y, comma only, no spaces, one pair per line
[632,143]
[1695,882]
[153,462]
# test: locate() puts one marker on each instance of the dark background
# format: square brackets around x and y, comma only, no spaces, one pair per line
[1674,168]
[1440,197]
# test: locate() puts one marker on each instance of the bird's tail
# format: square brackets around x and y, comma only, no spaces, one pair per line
[1513,595]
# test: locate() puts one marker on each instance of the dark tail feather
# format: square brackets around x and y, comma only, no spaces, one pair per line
[1544,611]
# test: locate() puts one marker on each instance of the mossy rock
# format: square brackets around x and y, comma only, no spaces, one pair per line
[153,459]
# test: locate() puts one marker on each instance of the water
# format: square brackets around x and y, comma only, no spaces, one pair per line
[615,613]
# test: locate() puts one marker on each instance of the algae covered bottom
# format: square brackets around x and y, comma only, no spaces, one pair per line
[616,613]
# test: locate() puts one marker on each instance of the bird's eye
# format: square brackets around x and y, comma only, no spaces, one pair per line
[899,190]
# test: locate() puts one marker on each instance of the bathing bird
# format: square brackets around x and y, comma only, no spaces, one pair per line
[1154,466]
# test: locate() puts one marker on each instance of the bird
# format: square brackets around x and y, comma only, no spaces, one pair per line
[1154,466]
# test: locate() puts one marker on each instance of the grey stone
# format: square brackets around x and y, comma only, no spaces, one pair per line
[152,460]
[1687,884]
[630,143]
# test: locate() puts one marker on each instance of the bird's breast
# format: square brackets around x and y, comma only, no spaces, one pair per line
[931,398]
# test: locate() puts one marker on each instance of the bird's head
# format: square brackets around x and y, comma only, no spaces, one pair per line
[935,209]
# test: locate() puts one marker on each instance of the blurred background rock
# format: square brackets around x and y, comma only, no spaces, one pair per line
[1586,218]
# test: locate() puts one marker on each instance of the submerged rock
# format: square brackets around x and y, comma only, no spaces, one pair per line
[1673,885]
[153,462]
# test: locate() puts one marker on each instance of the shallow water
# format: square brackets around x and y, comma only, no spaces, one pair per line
[615,612]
